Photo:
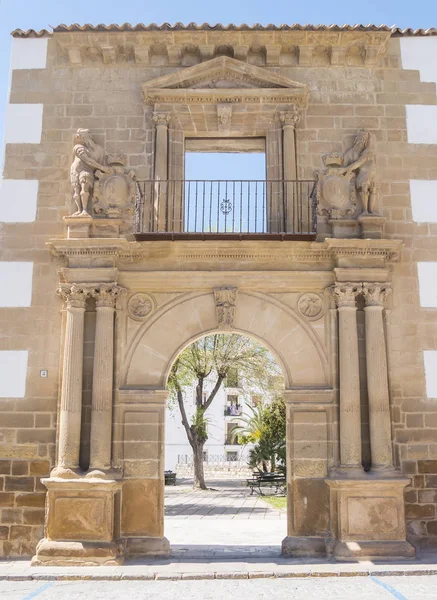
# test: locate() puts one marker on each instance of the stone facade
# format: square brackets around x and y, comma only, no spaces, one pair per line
[83,386]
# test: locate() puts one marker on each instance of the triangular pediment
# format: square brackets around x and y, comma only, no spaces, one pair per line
[219,76]
[229,72]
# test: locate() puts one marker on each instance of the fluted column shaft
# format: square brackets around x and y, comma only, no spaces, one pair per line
[101,408]
[289,120]
[161,169]
[350,411]
[377,376]
[71,392]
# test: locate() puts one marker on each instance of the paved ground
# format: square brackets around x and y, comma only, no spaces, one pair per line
[358,588]
[225,521]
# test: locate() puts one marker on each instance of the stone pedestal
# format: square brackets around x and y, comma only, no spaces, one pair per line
[344,228]
[78,227]
[79,528]
[371,226]
[368,519]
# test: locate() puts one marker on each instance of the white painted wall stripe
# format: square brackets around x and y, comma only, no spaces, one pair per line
[421,123]
[423,195]
[419,54]
[29,53]
[430,361]
[23,123]
[427,284]
[13,370]
[15,284]
[18,200]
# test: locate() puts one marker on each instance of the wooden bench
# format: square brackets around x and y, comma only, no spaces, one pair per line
[260,481]
[170,478]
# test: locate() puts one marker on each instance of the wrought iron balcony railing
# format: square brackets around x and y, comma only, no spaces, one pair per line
[225,209]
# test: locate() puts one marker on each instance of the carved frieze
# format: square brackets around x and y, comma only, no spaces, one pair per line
[225,299]
[310,305]
[140,305]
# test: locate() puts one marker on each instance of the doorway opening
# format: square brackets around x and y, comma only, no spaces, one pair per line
[225,192]
[225,449]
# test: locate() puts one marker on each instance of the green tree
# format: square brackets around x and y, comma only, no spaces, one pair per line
[265,426]
[213,357]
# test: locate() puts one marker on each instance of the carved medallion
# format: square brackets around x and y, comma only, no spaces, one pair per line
[310,305]
[140,306]
[114,192]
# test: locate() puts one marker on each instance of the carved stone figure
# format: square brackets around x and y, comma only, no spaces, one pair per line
[88,157]
[361,159]
[344,176]
[114,191]
[225,299]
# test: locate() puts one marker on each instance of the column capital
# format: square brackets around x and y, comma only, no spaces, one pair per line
[289,118]
[375,294]
[345,294]
[106,294]
[74,294]
[161,118]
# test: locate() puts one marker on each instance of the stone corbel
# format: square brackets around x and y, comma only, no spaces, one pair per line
[273,52]
[142,55]
[174,55]
[371,55]
[338,55]
[306,56]
[206,51]
[109,54]
[240,52]
[225,299]
[74,55]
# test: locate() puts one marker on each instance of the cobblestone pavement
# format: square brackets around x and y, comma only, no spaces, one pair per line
[340,588]
[224,521]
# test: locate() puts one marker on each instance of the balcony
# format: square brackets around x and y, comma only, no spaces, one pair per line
[233,411]
[236,210]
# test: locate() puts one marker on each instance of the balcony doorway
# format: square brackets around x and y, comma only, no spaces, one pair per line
[225,192]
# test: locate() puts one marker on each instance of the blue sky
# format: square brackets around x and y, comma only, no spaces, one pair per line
[39,14]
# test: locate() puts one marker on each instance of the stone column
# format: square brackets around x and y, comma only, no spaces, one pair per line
[161,169]
[71,394]
[377,376]
[350,412]
[289,119]
[101,408]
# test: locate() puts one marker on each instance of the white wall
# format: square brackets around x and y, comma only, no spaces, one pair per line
[15,284]
[29,53]
[18,200]
[13,369]
[23,123]
[419,53]
[176,442]
[423,195]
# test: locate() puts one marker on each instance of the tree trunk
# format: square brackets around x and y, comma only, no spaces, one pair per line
[199,477]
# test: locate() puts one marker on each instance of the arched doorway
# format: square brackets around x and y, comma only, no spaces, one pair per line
[299,346]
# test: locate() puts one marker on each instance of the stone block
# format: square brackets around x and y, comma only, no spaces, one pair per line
[142,508]
[19,484]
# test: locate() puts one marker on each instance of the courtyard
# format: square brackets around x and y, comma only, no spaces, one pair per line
[223,521]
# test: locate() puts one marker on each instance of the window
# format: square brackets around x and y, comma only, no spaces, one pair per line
[229,433]
[231,456]
[225,192]
[205,456]
[233,408]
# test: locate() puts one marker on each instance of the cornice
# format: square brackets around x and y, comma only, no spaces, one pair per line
[121,252]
